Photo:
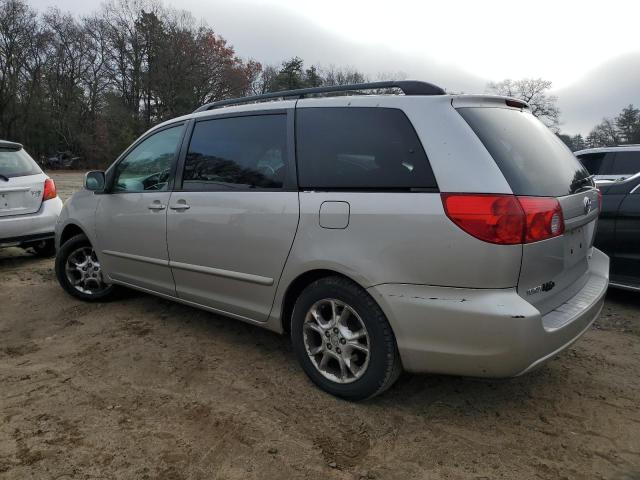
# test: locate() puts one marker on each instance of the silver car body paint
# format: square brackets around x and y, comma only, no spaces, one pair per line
[456,304]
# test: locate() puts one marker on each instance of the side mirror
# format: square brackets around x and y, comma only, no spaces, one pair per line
[94,181]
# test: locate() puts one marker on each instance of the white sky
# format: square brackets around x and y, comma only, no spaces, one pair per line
[458,44]
[494,39]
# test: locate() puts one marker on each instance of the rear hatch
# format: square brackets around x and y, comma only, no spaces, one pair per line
[536,163]
[21,183]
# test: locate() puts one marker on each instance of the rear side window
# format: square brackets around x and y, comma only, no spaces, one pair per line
[17,163]
[626,163]
[532,159]
[237,153]
[360,148]
[592,162]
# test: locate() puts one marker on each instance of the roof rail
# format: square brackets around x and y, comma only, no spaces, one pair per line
[408,87]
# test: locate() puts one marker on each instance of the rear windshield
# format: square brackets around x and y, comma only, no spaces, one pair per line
[533,160]
[17,163]
[592,162]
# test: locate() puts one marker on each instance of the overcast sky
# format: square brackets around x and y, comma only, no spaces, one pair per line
[458,44]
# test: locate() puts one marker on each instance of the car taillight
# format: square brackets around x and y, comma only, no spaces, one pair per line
[492,218]
[505,219]
[543,218]
[49,190]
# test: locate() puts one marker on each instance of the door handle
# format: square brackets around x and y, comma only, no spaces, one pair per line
[157,206]
[180,206]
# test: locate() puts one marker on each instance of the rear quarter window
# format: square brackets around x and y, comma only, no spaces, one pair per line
[533,160]
[17,163]
[364,148]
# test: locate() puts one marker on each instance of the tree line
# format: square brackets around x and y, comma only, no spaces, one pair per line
[623,129]
[91,85]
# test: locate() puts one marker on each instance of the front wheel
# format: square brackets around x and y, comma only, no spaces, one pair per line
[79,271]
[343,340]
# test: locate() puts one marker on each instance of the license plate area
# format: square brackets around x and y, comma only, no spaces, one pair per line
[576,245]
[19,200]
[9,200]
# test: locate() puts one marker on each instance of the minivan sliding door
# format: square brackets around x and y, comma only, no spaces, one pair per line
[233,219]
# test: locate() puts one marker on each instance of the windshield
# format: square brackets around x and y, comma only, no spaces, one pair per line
[532,159]
[17,163]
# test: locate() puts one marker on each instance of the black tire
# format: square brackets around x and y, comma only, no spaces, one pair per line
[45,248]
[68,248]
[384,365]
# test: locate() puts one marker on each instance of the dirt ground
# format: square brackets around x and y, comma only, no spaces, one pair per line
[141,388]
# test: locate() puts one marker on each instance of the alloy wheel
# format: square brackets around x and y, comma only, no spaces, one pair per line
[83,271]
[336,340]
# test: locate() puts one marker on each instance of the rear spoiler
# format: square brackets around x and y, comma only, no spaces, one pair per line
[494,101]
[4,145]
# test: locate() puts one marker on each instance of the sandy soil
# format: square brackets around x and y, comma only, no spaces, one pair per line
[141,388]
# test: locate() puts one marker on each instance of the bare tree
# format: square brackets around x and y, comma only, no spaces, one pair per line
[534,91]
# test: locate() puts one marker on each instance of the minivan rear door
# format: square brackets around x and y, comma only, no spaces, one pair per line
[21,183]
[536,163]
[234,212]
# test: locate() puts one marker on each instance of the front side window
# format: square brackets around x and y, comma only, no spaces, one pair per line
[237,153]
[148,166]
[365,148]
[626,163]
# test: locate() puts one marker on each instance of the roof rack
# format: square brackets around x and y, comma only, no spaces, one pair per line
[408,87]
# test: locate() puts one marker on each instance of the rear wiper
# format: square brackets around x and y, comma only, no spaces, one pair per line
[3,177]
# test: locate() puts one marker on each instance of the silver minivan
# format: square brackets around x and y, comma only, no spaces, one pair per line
[412,230]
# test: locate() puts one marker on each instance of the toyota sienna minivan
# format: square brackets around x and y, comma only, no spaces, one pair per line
[412,230]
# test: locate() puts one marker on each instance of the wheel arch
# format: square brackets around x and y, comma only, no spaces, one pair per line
[297,285]
[70,230]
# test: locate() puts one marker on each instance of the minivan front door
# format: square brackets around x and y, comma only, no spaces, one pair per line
[231,225]
[131,219]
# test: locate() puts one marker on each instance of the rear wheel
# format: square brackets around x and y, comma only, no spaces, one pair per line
[343,340]
[79,271]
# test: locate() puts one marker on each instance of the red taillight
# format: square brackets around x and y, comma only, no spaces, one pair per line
[543,218]
[49,190]
[505,219]
[492,218]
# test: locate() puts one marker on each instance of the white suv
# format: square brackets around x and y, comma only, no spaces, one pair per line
[29,204]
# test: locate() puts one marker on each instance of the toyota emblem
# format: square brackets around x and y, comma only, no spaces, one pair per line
[587,205]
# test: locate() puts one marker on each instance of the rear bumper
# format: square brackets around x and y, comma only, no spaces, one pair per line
[486,332]
[21,229]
